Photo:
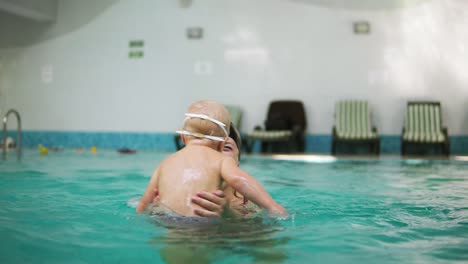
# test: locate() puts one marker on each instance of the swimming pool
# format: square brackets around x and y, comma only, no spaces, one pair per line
[77,208]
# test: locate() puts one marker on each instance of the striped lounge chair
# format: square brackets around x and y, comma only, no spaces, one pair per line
[284,128]
[353,126]
[423,126]
[235,113]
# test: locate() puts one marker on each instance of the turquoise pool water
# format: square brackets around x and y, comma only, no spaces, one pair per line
[77,208]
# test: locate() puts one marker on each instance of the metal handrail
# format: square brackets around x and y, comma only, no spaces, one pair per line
[18,137]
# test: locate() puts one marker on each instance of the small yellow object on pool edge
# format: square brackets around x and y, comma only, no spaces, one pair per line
[93,149]
[43,150]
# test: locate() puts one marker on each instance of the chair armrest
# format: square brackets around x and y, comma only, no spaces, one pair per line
[266,123]
[297,129]
[445,131]
[256,128]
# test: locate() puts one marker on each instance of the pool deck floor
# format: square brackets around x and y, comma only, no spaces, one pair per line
[329,158]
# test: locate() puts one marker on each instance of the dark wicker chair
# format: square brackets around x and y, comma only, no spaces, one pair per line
[284,129]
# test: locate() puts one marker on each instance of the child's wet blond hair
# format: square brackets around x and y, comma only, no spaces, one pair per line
[212,109]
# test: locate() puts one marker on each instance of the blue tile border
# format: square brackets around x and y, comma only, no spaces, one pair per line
[459,145]
[318,143]
[389,144]
[315,143]
[108,140]
[322,144]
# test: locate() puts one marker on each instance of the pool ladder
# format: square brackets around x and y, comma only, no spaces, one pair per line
[18,136]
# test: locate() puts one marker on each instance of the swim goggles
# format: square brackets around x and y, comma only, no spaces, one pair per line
[199,135]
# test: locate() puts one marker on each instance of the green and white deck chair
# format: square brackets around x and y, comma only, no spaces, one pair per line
[423,126]
[353,125]
[235,113]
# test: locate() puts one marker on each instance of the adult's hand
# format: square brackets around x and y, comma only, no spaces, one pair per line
[212,204]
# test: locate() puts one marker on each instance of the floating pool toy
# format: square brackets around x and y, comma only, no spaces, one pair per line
[93,149]
[43,150]
[126,151]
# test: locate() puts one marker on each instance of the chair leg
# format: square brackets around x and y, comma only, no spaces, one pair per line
[303,145]
[446,149]
[264,147]
[375,147]
[294,144]
[333,147]
[248,145]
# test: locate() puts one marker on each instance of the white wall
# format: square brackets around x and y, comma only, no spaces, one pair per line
[259,51]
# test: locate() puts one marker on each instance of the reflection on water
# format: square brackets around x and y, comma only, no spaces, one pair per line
[258,239]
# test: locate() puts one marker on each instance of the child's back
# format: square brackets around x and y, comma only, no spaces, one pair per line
[197,166]
[183,174]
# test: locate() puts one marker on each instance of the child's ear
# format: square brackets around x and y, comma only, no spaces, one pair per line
[183,138]
[221,146]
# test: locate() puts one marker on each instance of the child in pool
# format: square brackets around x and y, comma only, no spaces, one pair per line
[227,202]
[202,166]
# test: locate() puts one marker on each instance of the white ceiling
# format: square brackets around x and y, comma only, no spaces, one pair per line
[361,4]
[39,10]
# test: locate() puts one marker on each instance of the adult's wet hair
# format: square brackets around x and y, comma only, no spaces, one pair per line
[235,135]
